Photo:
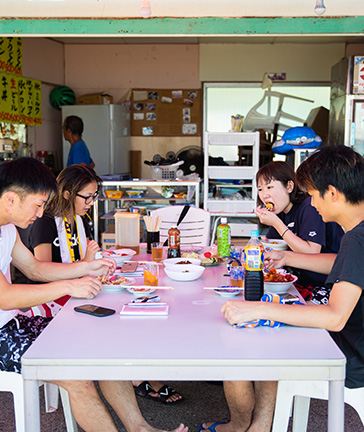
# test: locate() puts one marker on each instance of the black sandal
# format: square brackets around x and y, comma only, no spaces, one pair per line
[144,389]
[165,393]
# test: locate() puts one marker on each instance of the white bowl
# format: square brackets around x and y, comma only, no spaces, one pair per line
[228,291]
[186,273]
[119,255]
[115,287]
[275,244]
[173,261]
[279,287]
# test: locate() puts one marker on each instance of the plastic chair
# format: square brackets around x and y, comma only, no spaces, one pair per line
[194,228]
[13,382]
[302,391]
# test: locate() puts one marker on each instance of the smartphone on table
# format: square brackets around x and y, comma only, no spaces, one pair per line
[289,298]
[129,267]
[94,310]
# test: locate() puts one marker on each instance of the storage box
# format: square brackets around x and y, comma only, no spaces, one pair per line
[95,99]
[242,229]
[358,75]
[107,239]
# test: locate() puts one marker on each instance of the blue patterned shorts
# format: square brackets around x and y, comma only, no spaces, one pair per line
[16,337]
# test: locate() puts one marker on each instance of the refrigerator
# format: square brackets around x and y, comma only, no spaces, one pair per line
[106,134]
[346,122]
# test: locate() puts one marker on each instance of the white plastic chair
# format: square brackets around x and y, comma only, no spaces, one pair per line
[13,382]
[195,227]
[301,392]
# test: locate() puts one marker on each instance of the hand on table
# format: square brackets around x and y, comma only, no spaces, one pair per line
[237,311]
[87,287]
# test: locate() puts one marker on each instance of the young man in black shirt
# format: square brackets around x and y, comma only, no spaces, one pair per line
[334,178]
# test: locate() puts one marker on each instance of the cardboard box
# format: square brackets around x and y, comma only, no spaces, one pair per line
[107,239]
[95,99]
[358,75]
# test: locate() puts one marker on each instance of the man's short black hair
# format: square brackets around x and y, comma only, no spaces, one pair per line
[338,166]
[26,176]
[75,124]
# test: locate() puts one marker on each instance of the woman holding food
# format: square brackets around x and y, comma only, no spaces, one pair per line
[60,235]
[288,212]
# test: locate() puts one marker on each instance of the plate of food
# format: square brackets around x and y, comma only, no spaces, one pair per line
[119,255]
[277,281]
[228,291]
[211,261]
[275,244]
[141,290]
[181,261]
[115,283]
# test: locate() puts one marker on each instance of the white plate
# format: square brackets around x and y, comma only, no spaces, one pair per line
[174,261]
[186,273]
[119,287]
[275,244]
[228,292]
[279,287]
[141,291]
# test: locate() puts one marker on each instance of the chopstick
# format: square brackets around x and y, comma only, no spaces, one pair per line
[149,286]
[223,288]
[152,223]
[149,262]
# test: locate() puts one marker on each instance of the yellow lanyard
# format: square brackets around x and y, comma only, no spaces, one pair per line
[68,230]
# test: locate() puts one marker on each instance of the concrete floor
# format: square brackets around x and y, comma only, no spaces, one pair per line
[203,402]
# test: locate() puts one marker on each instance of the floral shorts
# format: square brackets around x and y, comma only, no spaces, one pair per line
[16,337]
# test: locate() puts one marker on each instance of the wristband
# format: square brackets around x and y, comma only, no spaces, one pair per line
[284,232]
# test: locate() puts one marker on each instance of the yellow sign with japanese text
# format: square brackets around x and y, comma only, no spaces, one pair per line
[11,55]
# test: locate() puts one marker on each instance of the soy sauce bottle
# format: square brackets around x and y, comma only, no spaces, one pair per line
[174,250]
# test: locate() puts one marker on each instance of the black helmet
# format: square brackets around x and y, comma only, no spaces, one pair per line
[62,95]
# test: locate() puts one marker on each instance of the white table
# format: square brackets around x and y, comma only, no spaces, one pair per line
[193,343]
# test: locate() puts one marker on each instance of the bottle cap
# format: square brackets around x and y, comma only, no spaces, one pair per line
[254,233]
[223,220]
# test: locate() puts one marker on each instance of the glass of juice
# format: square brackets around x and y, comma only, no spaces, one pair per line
[157,252]
[151,274]
[237,276]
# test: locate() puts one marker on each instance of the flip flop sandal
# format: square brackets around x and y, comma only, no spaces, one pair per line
[165,393]
[212,428]
[144,389]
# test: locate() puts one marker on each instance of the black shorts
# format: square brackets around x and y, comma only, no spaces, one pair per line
[16,337]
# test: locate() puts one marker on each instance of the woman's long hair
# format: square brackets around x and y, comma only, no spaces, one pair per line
[282,172]
[72,179]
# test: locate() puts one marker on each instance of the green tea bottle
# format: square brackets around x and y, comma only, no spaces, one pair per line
[223,238]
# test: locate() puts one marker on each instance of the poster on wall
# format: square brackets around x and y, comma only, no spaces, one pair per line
[20,100]
[11,55]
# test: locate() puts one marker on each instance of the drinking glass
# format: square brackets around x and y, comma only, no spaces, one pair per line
[157,251]
[237,276]
[151,274]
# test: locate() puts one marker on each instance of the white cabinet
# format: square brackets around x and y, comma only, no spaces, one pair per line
[227,179]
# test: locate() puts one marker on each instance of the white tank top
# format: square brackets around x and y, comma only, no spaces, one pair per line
[7,242]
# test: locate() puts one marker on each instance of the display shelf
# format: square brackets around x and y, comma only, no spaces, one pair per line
[104,208]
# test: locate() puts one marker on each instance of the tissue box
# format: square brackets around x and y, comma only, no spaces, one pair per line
[95,99]
[108,239]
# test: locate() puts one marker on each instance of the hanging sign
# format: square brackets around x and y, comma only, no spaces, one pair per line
[20,100]
[11,55]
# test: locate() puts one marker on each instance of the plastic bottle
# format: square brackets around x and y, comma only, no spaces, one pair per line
[254,261]
[174,250]
[223,238]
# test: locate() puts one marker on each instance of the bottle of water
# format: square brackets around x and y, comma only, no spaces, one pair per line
[223,238]
[254,261]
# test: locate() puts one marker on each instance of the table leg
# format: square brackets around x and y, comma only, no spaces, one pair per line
[336,406]
[31,402]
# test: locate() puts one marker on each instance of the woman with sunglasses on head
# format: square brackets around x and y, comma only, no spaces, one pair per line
[60,235]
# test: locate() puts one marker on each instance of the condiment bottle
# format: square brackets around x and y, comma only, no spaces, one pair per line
[174,250]
[254,262]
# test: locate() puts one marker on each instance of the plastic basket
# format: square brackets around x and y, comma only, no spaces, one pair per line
[165,172]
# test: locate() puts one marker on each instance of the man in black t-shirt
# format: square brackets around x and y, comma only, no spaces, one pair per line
[334,178]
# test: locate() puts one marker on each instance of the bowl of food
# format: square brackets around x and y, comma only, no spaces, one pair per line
[135,193]
[181,261]
[275,244]
[141,291]
[115,283]
[185,273]
[119,255]
[278,281]
[228,291]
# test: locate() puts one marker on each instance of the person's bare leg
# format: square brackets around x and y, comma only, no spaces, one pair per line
[265,399]
[158,385]
[241,400]
[87,407]
[120,396]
